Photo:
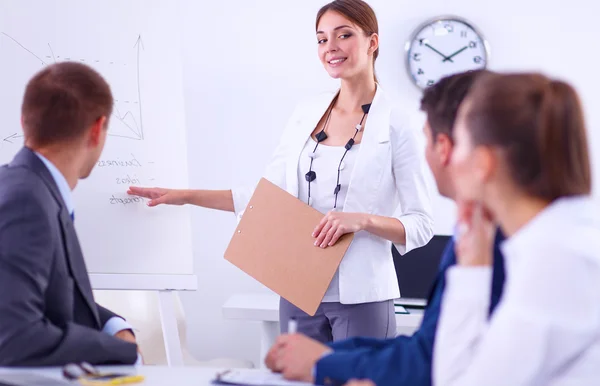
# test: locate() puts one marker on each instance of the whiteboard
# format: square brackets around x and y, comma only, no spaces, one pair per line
[135,46]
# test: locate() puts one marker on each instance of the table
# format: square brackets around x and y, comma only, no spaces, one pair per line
[264,308]
[154,375]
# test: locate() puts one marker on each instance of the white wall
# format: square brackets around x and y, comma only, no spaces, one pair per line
[248,61]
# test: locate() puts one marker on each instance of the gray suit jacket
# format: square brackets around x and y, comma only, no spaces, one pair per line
[48,316]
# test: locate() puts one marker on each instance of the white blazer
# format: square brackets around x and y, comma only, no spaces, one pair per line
[388,179]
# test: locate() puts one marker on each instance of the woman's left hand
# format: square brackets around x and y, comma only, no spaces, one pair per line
[335,224]
[475,244]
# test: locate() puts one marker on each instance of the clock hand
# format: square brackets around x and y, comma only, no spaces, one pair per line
[454,54]
[445,57]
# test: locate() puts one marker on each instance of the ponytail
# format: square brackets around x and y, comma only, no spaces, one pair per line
[563,143]
[539,126]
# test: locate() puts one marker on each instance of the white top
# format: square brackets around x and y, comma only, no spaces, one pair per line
[546,329]
[322,197]
[388,179]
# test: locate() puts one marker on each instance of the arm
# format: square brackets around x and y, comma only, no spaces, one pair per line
[414,211]
[402,361]
[530,337]
[358,342]
[106,314]
[27,337]
[234,200]
[115,325]
[211,199]
[389,228]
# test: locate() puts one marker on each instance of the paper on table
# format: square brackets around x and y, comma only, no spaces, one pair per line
[400,309]
[255,378]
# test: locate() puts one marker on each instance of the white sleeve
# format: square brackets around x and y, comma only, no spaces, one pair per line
[548,315]
[275,171]
[415,207]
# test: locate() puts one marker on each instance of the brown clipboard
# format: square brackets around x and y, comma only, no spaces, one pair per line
[273,243]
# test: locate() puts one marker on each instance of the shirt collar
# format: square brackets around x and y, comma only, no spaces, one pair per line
[558,214]
[61,182]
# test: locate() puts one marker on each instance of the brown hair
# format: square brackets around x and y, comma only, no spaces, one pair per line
[538,124]
[359,13]
[441,100]
[62,101]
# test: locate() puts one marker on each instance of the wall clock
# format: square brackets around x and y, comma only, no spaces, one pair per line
[443,46]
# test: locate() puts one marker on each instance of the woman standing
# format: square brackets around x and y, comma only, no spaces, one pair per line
[350,156]
[521,160]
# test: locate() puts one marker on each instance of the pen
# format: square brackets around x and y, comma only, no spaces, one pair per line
[121,380]
[292,326]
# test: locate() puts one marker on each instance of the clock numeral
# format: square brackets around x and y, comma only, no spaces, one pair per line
[478,59]
[472,44]
[420,72]
[449,27]
[430,82]
[463,34]
[417,57]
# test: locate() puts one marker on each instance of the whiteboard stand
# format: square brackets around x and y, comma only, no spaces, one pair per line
[165,285]
[168,321]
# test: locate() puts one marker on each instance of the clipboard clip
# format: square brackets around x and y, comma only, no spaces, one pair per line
[249,207]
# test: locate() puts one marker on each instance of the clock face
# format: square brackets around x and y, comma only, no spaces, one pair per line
[443,47]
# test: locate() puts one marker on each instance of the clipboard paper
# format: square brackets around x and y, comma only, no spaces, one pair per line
[254,377]
[273,243]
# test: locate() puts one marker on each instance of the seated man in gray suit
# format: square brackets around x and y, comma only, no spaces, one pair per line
[48,316]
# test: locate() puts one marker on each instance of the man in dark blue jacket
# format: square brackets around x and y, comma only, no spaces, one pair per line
[404,360]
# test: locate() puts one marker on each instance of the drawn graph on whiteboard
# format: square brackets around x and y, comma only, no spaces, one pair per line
[123,76]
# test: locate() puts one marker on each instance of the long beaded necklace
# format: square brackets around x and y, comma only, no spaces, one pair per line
[321,136]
